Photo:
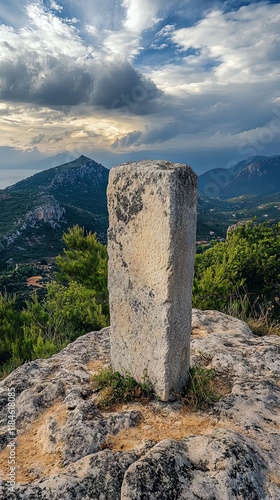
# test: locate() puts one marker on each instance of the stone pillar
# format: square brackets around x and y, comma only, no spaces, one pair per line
[151,246]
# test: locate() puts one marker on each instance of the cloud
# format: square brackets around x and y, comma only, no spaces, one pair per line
[128,140]
[119,86]
[51,82]
[60,82]
[139,75]
[37,139]
[239,45]
[152,135]
[91,29]
[55,6]
[140,15]
[61,70]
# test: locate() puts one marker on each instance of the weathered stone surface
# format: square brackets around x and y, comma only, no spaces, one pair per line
[238,458]
[151,244]
[41,383]
[95,477]
[60,389]
[222,465]
[253,366]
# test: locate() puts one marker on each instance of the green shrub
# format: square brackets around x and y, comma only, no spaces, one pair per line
[10,326]
[243,271]
[74,306]
[8,367]
[73,310]
[115,389]
[85,261]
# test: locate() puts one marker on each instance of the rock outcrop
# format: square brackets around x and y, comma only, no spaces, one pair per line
[68,449]
[50,212]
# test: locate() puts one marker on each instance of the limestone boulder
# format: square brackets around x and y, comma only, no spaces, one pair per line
[222,465]
[68,449]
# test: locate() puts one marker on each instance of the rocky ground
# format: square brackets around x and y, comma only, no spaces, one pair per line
[68,449]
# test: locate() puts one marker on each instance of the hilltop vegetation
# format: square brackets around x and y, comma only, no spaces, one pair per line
[240,276]
[75,303]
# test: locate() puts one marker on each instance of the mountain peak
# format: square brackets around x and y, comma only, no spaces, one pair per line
[258,175]
[48,202]
[83,157]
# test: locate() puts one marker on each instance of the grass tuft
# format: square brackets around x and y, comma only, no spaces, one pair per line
[259,315]
[115,389]
[200,392]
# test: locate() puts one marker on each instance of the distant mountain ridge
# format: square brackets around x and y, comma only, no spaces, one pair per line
[43,163]
[258,175]
[36,211]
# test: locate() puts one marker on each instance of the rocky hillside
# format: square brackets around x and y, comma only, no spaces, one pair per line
[68,449]
[257,178]
[36,211]
[258,175]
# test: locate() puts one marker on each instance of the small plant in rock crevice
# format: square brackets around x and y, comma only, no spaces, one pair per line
[200,392]
[115,389]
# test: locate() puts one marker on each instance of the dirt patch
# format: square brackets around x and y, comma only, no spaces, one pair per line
[274,478]
[35,281]
[94,366]
[158,425]
[36,455]
[199,332]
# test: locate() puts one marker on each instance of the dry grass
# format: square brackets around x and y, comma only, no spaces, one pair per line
[259,315]
[36,456]
[157,424]
[261,326]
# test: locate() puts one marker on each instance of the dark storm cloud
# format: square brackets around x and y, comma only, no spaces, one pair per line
[64,86]
[219,117]
[119,85]
[54,82]
[151,136]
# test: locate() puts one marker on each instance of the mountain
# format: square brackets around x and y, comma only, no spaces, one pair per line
[260,178]
[37,210]
[258,175]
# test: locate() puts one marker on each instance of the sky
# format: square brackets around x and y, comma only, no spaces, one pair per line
[190,81]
